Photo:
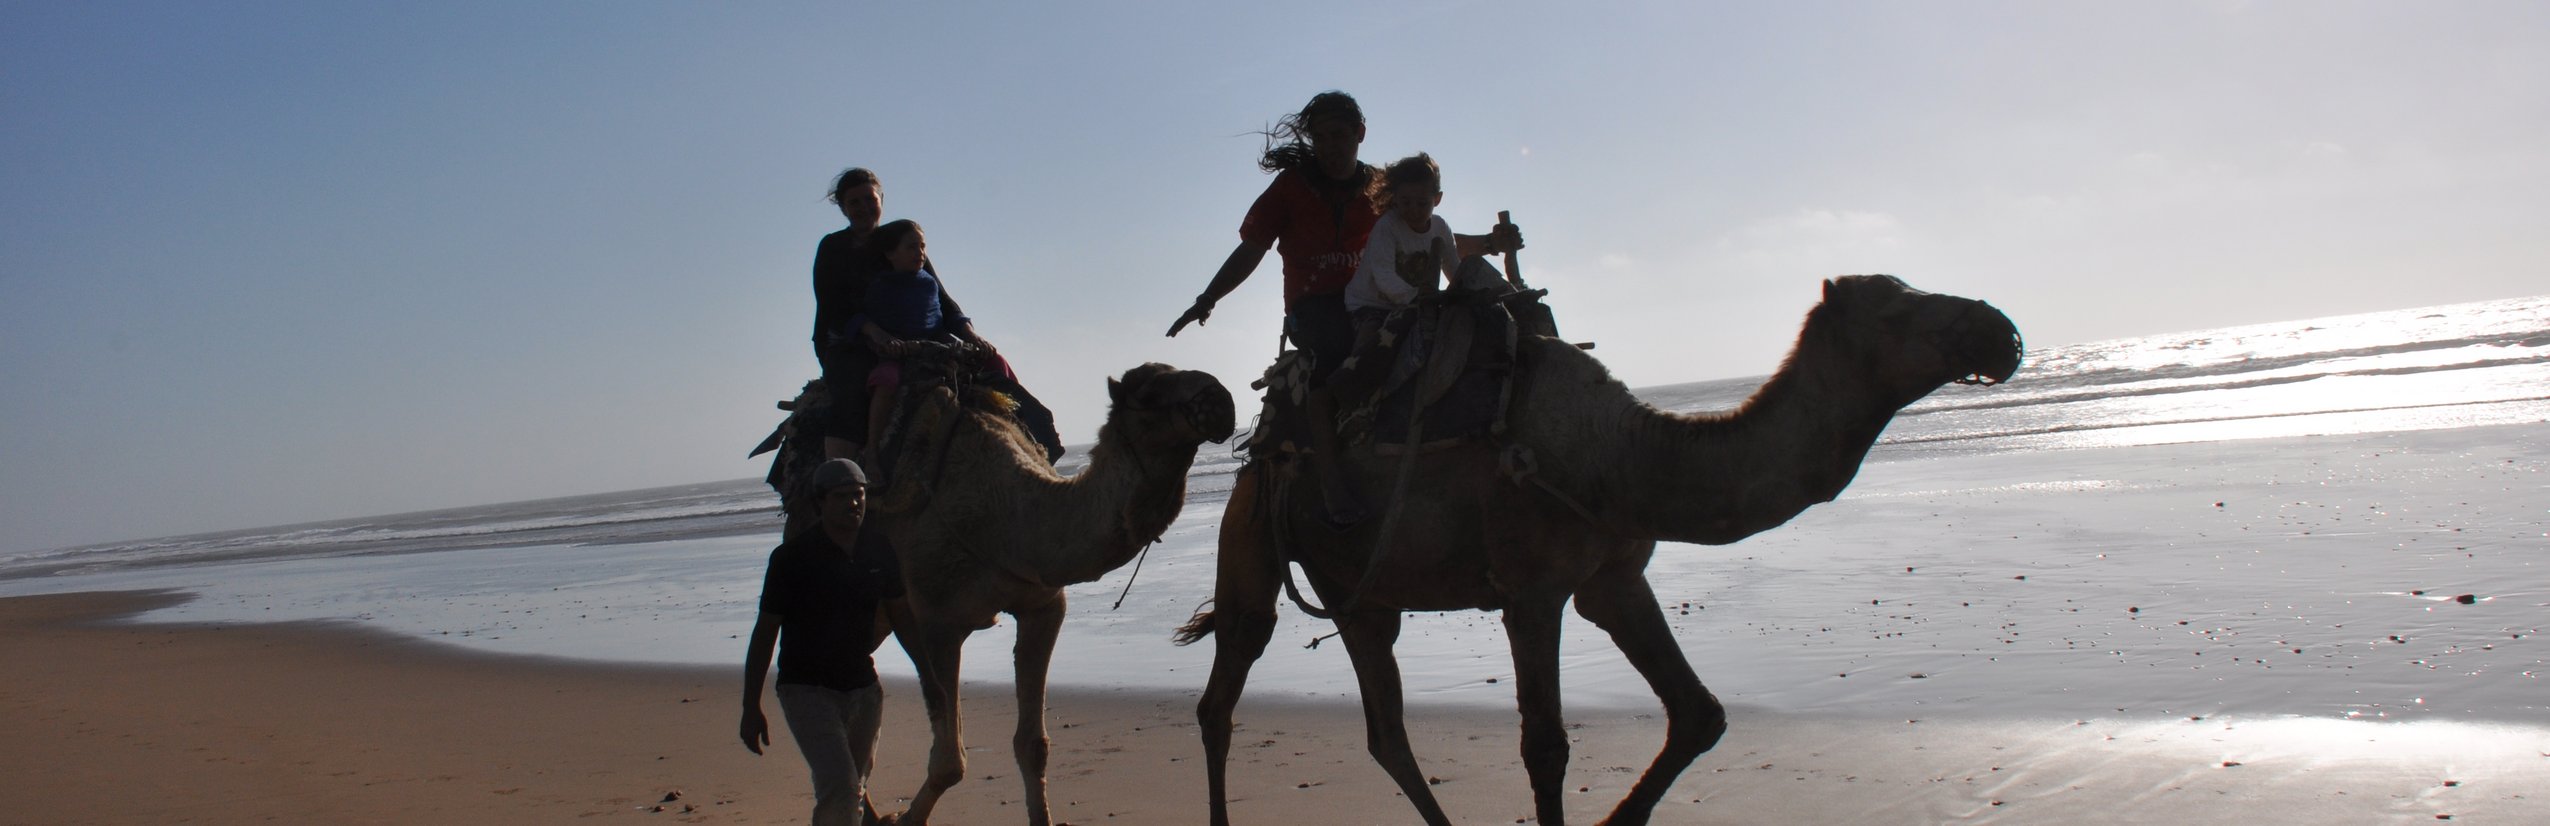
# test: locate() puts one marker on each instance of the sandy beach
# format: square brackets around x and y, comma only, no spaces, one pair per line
[332,723]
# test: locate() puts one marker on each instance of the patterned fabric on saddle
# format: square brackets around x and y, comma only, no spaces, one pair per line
[927,406]
[1452,364]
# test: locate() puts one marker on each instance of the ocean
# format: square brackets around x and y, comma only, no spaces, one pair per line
[2345,514]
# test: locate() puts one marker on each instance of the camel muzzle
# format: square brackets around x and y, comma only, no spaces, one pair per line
[1211,412]
[1989,345]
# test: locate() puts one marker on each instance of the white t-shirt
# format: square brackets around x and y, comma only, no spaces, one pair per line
[1398,261]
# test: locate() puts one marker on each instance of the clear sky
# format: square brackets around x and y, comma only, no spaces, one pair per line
[274,262]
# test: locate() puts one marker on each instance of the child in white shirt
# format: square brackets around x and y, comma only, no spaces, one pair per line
[1411,252]
[1408,247]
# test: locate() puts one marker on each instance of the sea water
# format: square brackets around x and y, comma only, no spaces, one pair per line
[2305,503]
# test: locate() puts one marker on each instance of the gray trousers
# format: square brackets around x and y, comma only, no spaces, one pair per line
[837,731]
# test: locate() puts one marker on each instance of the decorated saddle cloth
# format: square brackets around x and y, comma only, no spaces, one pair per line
[1450,378]
[925,420]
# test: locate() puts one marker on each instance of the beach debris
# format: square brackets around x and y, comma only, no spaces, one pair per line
[671,796]
[2230,763]
[1919,676]
[2467,599]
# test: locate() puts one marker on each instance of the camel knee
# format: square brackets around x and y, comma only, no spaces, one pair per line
[1213,713]
[1699,722]
[1032,749]
[1242,635]
[1545,756]
[945,772]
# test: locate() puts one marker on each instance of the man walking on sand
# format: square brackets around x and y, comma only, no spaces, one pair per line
[820,596]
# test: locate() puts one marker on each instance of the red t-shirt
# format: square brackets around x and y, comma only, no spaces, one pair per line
[1320,245]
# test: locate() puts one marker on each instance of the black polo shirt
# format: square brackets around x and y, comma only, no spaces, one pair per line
[826,602]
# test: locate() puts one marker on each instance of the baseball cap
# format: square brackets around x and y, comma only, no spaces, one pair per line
[835,473]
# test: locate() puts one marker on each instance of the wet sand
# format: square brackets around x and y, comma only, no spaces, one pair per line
[333,723]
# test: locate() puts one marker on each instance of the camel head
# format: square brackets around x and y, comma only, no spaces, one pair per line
[1156,399]
[1915,341]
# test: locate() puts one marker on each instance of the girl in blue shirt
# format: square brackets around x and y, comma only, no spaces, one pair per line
[903,307]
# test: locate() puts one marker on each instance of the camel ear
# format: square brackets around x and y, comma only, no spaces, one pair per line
[1828,289]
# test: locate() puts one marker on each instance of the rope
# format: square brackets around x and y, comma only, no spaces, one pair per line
[1137,572]
[1281,492]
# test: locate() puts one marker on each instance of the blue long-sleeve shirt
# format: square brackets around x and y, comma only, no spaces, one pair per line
[906,304]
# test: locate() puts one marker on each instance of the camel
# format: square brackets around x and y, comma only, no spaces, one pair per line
[1001,532]
[1570,502]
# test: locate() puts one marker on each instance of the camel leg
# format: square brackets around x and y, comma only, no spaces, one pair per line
[1531,629]
[1244,593]
[1368,636]
[937,651]
[1618,600]
[1037,628]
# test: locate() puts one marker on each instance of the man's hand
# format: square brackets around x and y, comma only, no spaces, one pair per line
[1504,237]
[755,729]
[1202,310]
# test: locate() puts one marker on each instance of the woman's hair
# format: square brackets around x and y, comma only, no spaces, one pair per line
[854,176]
[1288,141]
[1411,170]
[887,236]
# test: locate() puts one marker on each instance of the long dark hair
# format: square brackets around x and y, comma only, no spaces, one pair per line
[1288,141]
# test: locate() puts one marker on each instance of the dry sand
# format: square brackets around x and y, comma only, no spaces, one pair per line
[330,723]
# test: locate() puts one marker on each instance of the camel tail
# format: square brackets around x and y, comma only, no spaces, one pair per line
[1197,627]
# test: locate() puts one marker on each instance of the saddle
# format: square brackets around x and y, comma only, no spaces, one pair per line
[1450,380]
[915,439]
[938,386]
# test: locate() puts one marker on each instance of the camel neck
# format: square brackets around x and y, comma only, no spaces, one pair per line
[1123,501]
[1715,478]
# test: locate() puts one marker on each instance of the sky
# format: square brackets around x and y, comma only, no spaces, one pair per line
[276,262]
